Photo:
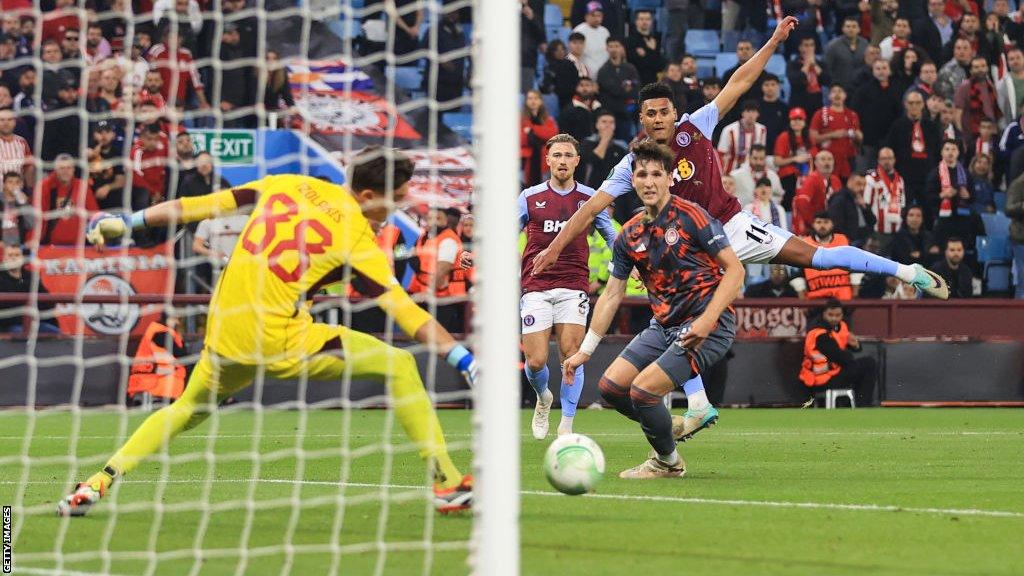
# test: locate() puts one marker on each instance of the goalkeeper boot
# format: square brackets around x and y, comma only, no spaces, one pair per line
[80,501]
[930,283]
[684,427]
[655,468]
[458,498]
[540,414]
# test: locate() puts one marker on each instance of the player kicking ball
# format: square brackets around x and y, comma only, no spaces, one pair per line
[303,233]
[697,176]
[558,297]
[680,252]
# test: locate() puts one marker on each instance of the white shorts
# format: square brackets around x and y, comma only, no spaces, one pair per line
[540,310]
[754,241]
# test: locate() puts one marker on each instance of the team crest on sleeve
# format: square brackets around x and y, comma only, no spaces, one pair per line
[528,320]
[683,139]
[685,169]
[671,236]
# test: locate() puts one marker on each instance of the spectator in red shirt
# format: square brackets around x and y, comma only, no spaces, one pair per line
[149,160]
[178,71]
[814,193]
[793,152]
[536,128]
[836,128]
[66,203]
[59,20]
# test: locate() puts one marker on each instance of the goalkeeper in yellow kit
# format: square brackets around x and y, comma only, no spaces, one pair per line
[302,233]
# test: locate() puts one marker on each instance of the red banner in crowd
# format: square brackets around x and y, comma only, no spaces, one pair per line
[109,272]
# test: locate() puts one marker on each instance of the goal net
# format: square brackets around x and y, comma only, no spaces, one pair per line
[115,106]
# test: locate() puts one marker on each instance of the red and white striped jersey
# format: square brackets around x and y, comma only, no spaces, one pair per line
[887,196]
[14,152]
[735,142]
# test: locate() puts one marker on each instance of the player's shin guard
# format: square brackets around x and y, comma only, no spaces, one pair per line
[856,260]
[655,420]
[538,379]
[571,394]
[416,414]
[618,397]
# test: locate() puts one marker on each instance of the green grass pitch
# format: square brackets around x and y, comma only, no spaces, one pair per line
[883,491]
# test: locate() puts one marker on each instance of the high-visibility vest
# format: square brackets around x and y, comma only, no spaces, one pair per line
[816,370]
[154,369]
[831,283]
[426,251]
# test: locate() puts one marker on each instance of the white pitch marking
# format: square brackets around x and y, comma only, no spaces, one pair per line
[593,435]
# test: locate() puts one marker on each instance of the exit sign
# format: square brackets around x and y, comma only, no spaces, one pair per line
[226,146]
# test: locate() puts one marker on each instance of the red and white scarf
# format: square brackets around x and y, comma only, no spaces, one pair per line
[946,206]
[894,188]
[918,148]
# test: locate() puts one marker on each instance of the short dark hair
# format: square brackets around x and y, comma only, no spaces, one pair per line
[655,90]
[642,11]
[758,148]
[854,19]
[577,36]
[615,39]
[648,150]
[151,128]
[954,239]
[12,174]
[602,112]
[823,215]
[710,81]
[749,105]
[564,139]
[769,77]
[371,167]
[832,303]
[950,141]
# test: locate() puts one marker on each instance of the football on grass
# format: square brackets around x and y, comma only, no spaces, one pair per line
[574,464]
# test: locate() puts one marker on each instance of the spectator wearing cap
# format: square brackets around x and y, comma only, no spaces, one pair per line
[877,103]
[751,172]
[15,152]
[643,47]
[975,99]
[793,153]
[807,77]
[61,131]
[149,157]
[773,112]
[845,52]
[613,14]
[578,118]
[531,36]
[66,204]
[175,66]
[596,36]
[106,166]
[619,84]
[814,192]
[600,152]
[238,83]
[737,138]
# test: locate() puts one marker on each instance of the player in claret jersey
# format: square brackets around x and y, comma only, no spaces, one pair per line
[303,233]
[697,176]
[557,297]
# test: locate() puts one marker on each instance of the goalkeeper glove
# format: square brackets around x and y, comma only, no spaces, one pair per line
[105,227]
[462,360]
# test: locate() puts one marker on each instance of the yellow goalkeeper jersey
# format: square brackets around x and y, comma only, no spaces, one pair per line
[302,234]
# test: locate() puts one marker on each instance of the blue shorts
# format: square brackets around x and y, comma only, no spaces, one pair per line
[659,344]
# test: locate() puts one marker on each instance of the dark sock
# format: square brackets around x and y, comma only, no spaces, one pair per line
[618,397]
[655,420]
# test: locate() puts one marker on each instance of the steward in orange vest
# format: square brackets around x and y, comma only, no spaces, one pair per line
[439,254]
[828,362]
[155,370]
[832,283]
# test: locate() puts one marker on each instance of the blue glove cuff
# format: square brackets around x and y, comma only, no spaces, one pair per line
[137,221]
[459,358]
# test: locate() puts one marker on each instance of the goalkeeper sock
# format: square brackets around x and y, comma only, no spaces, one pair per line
[539,380]
[618,397]
[857,260]
[570,394]
[696,398]
[655,420]
[416,414]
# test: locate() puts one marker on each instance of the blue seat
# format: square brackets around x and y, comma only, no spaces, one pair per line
[461,123]
[705,67]
[1000,200]
[996,224]
[553,17]
[730,38]
[551,103]
[635,5]
[776,65]
[702,42]
[724,61]
[994,249]
[997,278]
[407,77]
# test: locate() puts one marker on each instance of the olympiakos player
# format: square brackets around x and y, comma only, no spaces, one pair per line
[698,177]
[558,296]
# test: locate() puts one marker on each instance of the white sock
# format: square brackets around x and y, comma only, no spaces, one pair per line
[546,398]
[670,459]
[698,401]
[566,423]
[905,272]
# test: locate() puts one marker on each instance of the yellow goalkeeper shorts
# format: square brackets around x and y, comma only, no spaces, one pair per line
[326,353]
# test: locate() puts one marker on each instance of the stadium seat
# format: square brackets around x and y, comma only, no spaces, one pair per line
[832,395]
[997,278]
[993,249]
[461,123]
[1000,200]
[705,67]
[724,61]
[635,5]
[551,103]
[996,224]
[730,38]
[702,42]
[553,17]
[407,77]
[776,65]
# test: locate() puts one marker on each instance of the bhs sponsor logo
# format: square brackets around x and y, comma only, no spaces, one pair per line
[554,225]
